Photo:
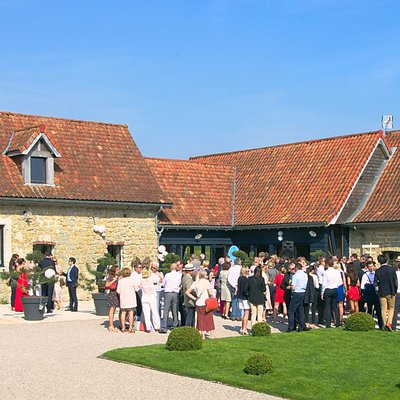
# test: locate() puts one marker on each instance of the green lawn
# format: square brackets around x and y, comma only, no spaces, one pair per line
[323,364]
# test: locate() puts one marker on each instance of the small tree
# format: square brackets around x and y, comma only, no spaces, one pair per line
[35,257]
[35,277]
[316,253]
[170,258]
[99,274]
[247,260]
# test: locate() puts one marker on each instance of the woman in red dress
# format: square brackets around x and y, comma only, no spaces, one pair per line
[279,294]
[22,285]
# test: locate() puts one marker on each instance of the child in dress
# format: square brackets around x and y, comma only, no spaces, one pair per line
[127,298]
[59,284]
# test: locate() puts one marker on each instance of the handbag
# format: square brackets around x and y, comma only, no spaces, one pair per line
[113,287]
[211,304]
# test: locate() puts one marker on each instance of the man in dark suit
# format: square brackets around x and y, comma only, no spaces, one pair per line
[48,288]
[386,280]
[72,284]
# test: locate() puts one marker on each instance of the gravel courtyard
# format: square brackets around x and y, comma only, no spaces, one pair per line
[58,358]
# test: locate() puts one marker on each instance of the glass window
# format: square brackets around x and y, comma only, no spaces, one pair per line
[38,170]
[116,252]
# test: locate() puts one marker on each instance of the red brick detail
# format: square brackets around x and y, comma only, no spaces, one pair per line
[201,194]
[115,243]
[99,161]
[44,242]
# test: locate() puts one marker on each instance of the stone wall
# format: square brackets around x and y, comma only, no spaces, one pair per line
[71,229]
[385,237]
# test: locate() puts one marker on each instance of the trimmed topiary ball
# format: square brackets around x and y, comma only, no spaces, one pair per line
[261,329]
[184,338]
[360,322]
[258,364]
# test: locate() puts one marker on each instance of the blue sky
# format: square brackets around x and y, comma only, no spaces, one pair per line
[195,77]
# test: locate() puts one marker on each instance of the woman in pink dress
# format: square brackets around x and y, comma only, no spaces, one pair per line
[22,285]
[127,298]
[279,293]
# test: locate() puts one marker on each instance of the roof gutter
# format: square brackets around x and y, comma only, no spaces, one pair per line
[355,225]
[159,230]
[71,202]
[246,227]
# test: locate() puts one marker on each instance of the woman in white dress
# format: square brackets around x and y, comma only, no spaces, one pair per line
[149,301]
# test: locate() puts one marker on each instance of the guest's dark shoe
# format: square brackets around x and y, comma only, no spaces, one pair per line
[163,332]
[74,310]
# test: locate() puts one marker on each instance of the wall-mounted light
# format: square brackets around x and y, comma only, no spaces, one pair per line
[312,233]
[28,216]
[198,236]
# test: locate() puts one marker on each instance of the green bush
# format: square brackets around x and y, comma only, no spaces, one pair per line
[258,364]
[184,338]
[36,257]
[360,322]
[261,329]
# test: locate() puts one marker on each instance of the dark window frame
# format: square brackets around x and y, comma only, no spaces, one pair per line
[43,169]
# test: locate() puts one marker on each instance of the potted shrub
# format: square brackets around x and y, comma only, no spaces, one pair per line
[34,306]
[96,280]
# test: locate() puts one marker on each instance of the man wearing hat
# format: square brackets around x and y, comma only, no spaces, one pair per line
[189,305]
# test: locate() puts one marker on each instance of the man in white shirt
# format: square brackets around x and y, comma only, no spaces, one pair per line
[172,286]
[330,283]
[137,280]
[233,277]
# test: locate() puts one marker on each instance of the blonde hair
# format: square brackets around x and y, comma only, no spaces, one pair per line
[206,263]
[243,271]
[126,272]
[201,275]
[146,273]
[336,265]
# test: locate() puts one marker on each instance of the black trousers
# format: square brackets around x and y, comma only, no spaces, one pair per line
[13,291]
[373,304]
[73,299]
[189,316]
[181,308]
[313,307]
[321,309]
[331,305]
[296,312]
[50,302]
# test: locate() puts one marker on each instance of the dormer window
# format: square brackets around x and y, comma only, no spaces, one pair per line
[38,170]
[33,146]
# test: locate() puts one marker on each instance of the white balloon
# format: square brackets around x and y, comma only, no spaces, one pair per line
[161,248]
[164,253]
[49,273]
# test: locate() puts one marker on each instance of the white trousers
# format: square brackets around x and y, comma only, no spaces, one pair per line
[150,312]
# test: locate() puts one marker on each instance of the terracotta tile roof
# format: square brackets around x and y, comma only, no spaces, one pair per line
[23,138]
[202,194]
[99,161]
[305,182]
[383,204]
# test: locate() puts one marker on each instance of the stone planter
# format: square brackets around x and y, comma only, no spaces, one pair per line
[34,307]
[100,303]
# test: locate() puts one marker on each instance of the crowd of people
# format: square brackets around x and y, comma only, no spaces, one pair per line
[278,289]
[291,291]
